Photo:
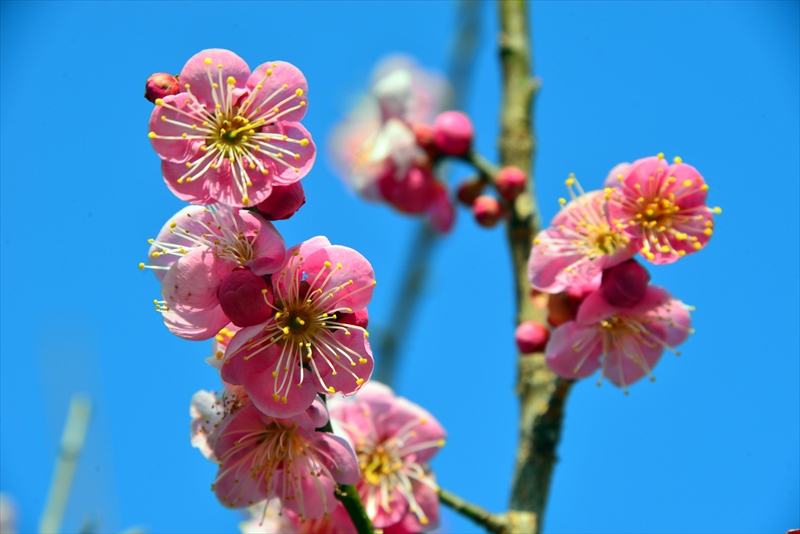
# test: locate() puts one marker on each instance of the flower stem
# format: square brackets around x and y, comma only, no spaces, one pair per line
[541,393]
[475,513]
[348,494]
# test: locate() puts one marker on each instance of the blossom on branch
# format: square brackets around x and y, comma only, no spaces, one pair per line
[316,339]
[624,342]
[580,242]
[394,440]
[661,208]
[271,516]
[230,134]
[193,254]
[383,149]
[263,457]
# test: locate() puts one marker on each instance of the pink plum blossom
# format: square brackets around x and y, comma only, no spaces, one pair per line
[272,517]
[194,252]
[625,343]
[208,410]
[230,134]
[578,245]
[315,341]
[394,440]
[377,151]
[263,457]
[661,208]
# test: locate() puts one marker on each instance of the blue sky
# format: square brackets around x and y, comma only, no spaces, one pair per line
[712,446]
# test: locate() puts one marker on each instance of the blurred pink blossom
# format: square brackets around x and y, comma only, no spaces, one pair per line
[272,517]
[394,440]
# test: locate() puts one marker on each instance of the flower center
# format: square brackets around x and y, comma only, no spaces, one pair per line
[377,465]
[656,213]
[231,131]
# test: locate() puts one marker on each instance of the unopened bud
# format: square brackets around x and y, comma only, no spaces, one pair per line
[469,190]
[487,210]
[452,133]
[510,182]
[359,318]
[160,85]
[243,299]
[283,202]
[531,337]
[424,135]
[625,284]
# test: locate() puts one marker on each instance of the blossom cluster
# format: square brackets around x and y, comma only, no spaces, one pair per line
[606,314]
[389,144]
[289,324]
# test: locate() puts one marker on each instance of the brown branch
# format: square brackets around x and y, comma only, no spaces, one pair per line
[541,393]
[473,512]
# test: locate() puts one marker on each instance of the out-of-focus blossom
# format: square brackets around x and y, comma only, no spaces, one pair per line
[194,252]
[230,134]
[394,440]
[313,343]
[453,133]
[487,211]
[8,515]
[578,245]
[382,149]
[531,337]
[262,457]
[510,182]
[208,410]
[661,208]
[273,517]
[625,343]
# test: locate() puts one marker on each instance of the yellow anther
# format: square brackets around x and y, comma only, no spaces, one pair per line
[284,400]
[569,181]
[219,65]
[155,254]
[299,92]
[231,80]
[304,142]
[151,135]
[159,102]
[338,265]
[173,224]
[708,231]
[562,201]
[362,360]
[285,329]
[660,155]
[359,381]
[276,397]
[303,103]
[215,86]
[424,520]
[677,159]
[687,183]
[327,264]
[186,85]
[141,266]
[697,246]
[717,210]
[331,390]
[440,443]
[264,291]
[207,61]
[245,201]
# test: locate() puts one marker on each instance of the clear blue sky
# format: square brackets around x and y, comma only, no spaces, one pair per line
[712,446]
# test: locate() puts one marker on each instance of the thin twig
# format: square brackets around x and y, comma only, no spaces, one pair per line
[72,440]
[473,512]
[541,393]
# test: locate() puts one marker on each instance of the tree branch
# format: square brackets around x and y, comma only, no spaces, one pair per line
[541,393]
[473,512]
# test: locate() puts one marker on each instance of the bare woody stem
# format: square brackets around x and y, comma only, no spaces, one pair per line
[480,516]
[541,393]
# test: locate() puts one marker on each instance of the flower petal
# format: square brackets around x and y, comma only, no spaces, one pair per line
[279,80]
[563,358]
[203,69]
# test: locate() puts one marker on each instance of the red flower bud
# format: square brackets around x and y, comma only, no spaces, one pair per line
[531,337]
[625,284]
[469,190]
[510,182]
[243,298]
[160,85]
[424,135]
[283,202]
[487,210]
[452,133]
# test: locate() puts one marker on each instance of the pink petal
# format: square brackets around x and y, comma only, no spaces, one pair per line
[281,73]
[687,196]
[316,493]
[221,184]
[176,238]
[441,212]
[563,358]
[297,166]
[595,308]
[260,385]
[175,150]
[195,325]
[428,499]
[355,268]
[398,508]
[426,431]
[318,413]
[192,281]
[269,250]
[234,354]
[196,74]
[675,318]
[345,379]
[194,191]
[620,367]
[612,180]
[337,455]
